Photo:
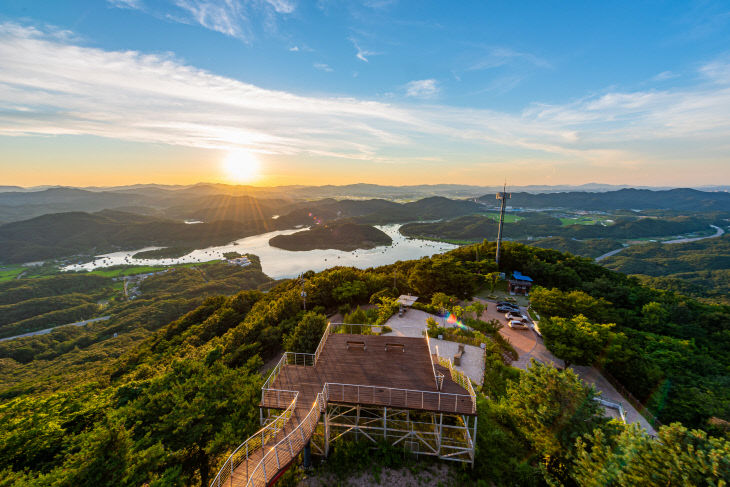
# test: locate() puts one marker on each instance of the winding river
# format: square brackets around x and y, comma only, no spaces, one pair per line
[278,263]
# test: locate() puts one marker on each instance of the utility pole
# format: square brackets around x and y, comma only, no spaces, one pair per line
[504,196]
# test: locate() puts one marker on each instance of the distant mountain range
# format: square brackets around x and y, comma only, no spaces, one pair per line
[65,234]
[681,199]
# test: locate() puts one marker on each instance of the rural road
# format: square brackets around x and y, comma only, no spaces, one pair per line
[609,254]
[718,233]
[48,330]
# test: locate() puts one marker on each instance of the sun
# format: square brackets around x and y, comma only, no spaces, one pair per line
[241,166]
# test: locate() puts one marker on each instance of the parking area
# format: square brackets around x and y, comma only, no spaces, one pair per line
[530,345]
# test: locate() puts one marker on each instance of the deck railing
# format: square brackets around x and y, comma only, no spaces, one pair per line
[438,376]
[257,441]
[353,328]
[281,454]
[404,398]
[459,377]
[320,347]
[283,397]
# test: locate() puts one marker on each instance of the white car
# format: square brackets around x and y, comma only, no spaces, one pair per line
[514,316]
[518,324]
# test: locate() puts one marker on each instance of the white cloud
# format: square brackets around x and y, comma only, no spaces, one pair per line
[130,4]
[323,67]
[664,75]
[495,57]
[361,53]
[51,85]
[282,6]
[294,49]
[423,88]
[234,18]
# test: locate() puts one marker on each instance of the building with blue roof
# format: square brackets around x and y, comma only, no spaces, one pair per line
[520,284]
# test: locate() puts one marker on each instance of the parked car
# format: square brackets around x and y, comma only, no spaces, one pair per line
[514,316]
[518,324]
[503,308]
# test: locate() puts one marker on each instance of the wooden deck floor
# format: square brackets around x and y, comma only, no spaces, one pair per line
[374,375]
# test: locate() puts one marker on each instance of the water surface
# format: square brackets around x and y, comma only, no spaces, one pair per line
[278,263]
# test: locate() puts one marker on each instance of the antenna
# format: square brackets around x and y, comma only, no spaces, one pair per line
[504,196]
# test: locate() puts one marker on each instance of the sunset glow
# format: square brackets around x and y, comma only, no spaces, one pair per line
[241,166]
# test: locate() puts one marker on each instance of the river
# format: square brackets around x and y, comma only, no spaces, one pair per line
[278,263]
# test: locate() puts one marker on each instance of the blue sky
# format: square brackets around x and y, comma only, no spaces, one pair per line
[333,91]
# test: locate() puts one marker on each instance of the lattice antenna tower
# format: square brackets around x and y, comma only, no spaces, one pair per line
[503,196]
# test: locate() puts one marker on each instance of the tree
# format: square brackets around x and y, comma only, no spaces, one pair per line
[552,409]
[350,292]
[554,302]
[193,413]
[677,456]
[493,278]
[441,300]
[357,317]
[575,340]
[477,307]
[307,334]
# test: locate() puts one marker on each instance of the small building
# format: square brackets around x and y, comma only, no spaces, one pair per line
[520,284]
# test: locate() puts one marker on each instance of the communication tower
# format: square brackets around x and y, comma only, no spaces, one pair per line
[503,196]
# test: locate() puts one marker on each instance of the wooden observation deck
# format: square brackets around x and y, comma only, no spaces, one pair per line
[347,369]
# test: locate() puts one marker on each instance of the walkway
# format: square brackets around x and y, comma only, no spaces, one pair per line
[413,324]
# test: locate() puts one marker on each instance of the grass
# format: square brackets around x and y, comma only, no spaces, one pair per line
[144,269]
[8,273]
[508,217]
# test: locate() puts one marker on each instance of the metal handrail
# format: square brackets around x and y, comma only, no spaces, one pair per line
[254,442]
[322,341]
[285,444]
[459,377]
[443,399]
[438,376]
[351,327]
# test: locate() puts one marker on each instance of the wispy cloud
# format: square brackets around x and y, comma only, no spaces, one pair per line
[130,4]
[361,54]
[323,67]
[233,18]
[665,75]
[294,49]
[51,85]
[494,57]
[423,88]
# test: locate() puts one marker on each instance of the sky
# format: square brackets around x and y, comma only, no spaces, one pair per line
[273,92]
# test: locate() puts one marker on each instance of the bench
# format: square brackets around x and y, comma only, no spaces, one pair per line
[397,346]
[356,345]
[459,354]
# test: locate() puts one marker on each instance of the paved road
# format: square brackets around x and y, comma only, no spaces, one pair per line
[718,233]
[48,330]
[529,345]
[609,254]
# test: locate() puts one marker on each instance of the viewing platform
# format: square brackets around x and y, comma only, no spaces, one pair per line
[379,388]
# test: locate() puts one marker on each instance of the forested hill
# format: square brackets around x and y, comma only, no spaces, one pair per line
[534,224]
[64,234]
[683,199]
[342,236]
[171,409]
